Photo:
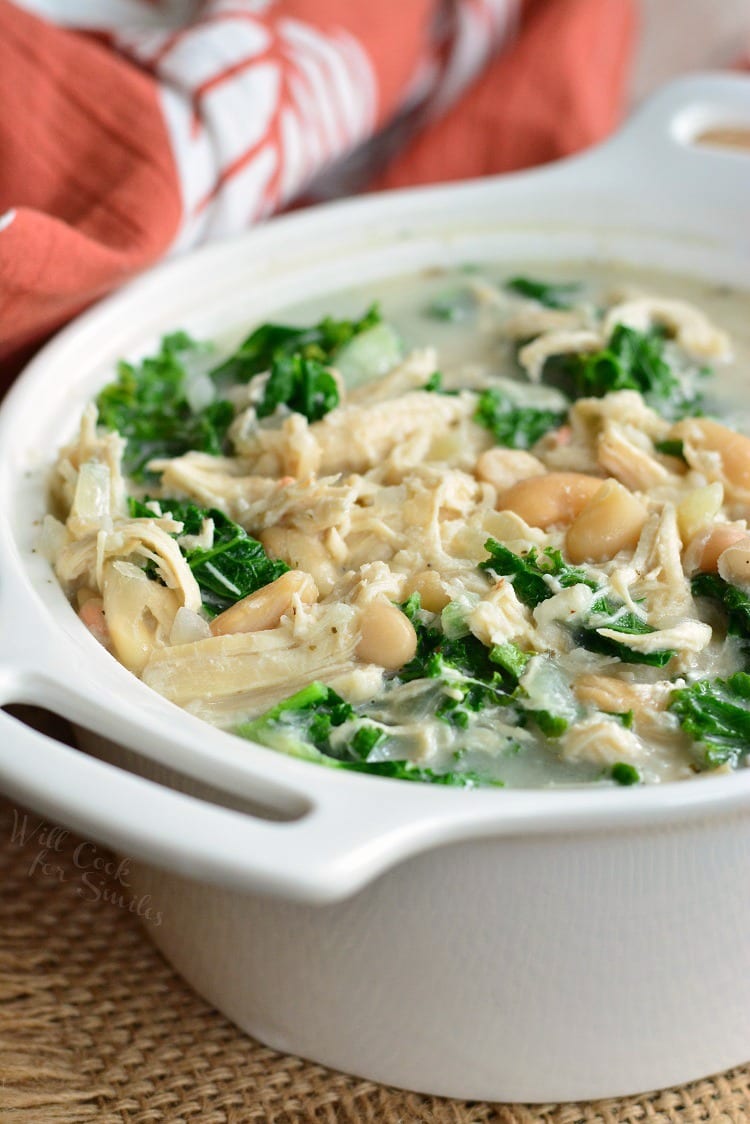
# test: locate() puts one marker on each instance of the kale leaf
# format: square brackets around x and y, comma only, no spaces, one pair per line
[437,653]
[734,602]
[271,342]
[517,427]
[612,616]
[551,725]
[551,294]
[670,448]
[147,404]
[632,360]
[529,572]
[303,724]
[715,713]
[297,361]
[510,658]
[625,774]
[434,384]
[312,715]
[472,676]
[235,565]
[303,385]
[408,771]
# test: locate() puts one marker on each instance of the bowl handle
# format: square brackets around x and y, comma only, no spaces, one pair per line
[686,139]
[346,833]
[339,844]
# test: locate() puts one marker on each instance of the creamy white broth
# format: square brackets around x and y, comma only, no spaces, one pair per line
[177,650]
[473,337]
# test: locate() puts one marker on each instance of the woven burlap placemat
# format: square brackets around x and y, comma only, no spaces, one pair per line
[95,1026]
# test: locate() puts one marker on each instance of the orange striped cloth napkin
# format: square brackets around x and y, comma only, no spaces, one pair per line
[130,140]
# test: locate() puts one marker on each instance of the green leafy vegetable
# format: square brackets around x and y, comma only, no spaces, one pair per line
[632,360]
[616,618]
[464,696]
[551,294]
[625,774]
[303,385]
[671,448]
[530,572]
[304,725]
[517,427]
[546,697]
[312,714]
[365,739]
[471,675]
[297,361]
[434,385]
[271,342]
[408,771]
[510,658]
[148,405]
[437,652]
[235,566]
[715,713]
[301,724]
[551,725]
[734,602]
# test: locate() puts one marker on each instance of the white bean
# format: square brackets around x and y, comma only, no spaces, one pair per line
[705,549]
[610,522]
[555,498]
[265,608]
[428,584]
[387,636]
[733,449]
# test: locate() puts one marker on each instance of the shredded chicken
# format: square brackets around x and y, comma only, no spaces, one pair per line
[500,617]
[357,438]
[405,495]
[601,741]
[534,355]
[621,453]
[221,482]
[96,446]
[82,561]
[657,563]
[647,702]
[693,330]
[531,319]
[227,678]
[688,636]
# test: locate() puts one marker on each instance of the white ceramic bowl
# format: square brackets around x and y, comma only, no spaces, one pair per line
[519,945]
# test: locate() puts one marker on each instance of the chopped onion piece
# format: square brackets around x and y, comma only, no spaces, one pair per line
[547,690]
[199,392]
[188,627]
[54,536]
[91,502]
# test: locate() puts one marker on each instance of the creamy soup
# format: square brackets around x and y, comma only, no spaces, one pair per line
[471,527]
